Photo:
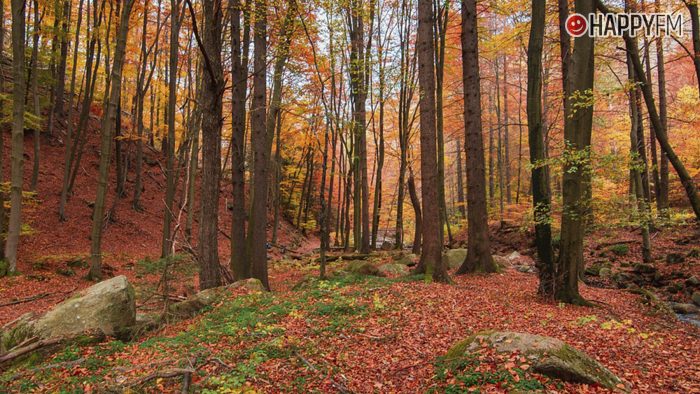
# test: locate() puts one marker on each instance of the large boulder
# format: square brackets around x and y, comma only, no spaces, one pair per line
[362,267]
[107,308]
[394,269]
[548,356]
[696,297]
[453,258]
[195,303]
[407,259]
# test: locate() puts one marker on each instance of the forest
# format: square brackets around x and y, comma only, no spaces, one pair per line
[349,196]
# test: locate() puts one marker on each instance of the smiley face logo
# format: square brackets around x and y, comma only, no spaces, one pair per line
[576,25]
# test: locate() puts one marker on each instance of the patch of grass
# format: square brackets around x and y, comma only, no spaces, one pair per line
[620,249]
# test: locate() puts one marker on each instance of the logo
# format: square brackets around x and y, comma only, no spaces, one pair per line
[622,24]
[576,25]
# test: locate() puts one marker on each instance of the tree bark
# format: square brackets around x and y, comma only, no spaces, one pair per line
[478,243]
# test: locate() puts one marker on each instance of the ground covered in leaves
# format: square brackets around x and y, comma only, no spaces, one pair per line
[369,334]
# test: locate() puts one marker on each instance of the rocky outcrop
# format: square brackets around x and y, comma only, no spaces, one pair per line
[393,269]
[362,267]
[548,356]
[195,303]
[105,309]
[453,258]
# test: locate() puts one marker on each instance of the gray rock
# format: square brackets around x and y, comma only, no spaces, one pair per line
[693,281]
[684,309]
[394,269]
[501,262]
[408,259]
[106,308]
[696,297]
[642,268]
[605,272]
[362,267]
[454,258]
[548,356]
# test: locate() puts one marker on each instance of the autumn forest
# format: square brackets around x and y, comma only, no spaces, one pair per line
[353,196]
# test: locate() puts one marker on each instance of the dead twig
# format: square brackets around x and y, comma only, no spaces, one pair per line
[341,388]
[26,299]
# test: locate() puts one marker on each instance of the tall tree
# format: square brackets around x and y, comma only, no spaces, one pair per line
[478,243]
[167,241]
[541,199]
[692,6]
[17,140]
[662,196]
[240,265]
[431,257]
[211,105]
[257,223]
[577,139]
[108,125]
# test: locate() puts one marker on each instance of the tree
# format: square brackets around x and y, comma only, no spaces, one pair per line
[210,46]
[167,242]
[431,257]
[662,196]
[240,265]
[576,179]
[108,124]
[17,139]
[257,223]
[478,243]
[541,199]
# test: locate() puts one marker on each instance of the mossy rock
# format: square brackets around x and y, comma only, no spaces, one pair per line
[454,258]
[394,269]
[407,259]
[548,356]
[208,297]
[362,267]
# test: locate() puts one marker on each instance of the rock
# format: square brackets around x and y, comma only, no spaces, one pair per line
[501,262]
[195,303]
[408,259]
[674,258]
[386,246]
[394,269]
[454,258]
[674,288]
[696,298]
[107,308]
[548,356]
[684,309]
[605,272]
[362,267]
[528,269]
[693,281]
[642,268]
[515,256]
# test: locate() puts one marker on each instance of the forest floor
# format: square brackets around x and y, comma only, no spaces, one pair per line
[348,334]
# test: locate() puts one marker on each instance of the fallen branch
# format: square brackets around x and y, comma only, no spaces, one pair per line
[21,351]
[26,299]
[312,367]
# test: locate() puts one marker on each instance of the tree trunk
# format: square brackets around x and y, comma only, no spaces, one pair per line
[240,264]
[35,93]
[577,139]
[431,256]
[257,235]
[418,228]
[211,105]
[695,30]
[540,196]
[662,197]
[478,244]
[17,139]
[108,124]
[168,214]
[460,181]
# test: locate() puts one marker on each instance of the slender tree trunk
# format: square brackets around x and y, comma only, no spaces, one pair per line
[17,139]
[460,181]
[35,93]
[415,201]
[577,139]
[168,214]
[211,105]
[257,237]
[662,197]
[540,195]
[478,243]
[695,31]
[108,124]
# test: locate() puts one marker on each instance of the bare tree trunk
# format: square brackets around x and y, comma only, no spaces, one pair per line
[478,243]
[431,257]
[108,124]
[692,6]
[257,237]
[662,197]
[418,228]
[17,139]
[577,139]
[168,215]
[540,194]
[211,105]
[460,181]
[35,93]
[3,213]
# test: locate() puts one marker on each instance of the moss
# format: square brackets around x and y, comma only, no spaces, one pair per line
[4,268]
